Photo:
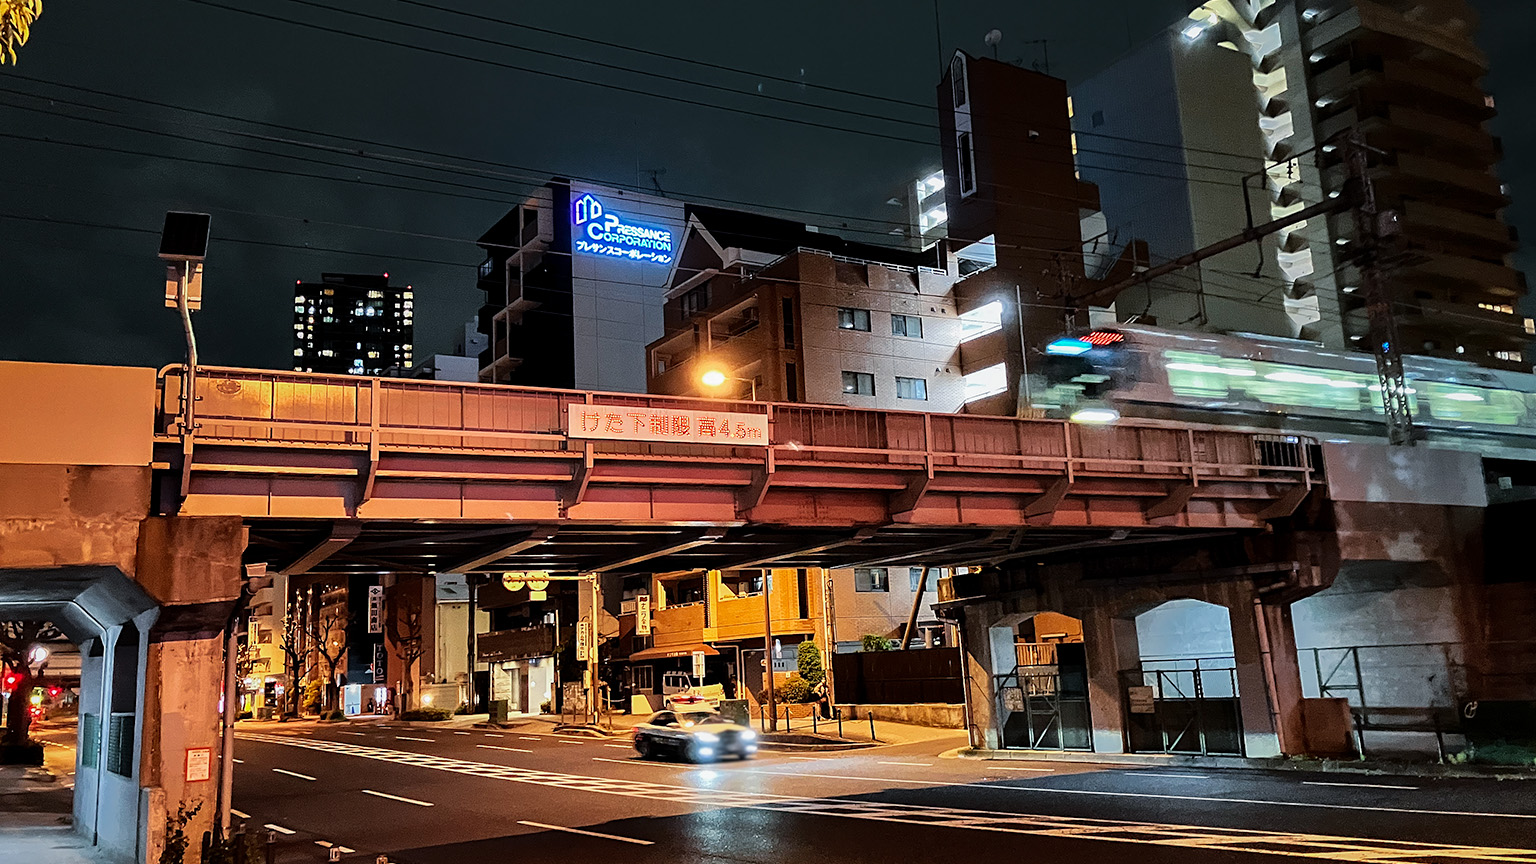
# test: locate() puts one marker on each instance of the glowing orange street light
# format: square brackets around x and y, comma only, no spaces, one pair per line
[717,377]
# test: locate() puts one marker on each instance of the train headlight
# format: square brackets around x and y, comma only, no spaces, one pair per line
[1095,414]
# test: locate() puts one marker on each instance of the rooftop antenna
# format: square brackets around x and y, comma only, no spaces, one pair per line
[992,39]
[655,175]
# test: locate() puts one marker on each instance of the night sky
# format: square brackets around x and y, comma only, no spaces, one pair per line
[87,287]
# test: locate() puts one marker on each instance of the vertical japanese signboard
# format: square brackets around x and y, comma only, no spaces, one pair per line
[643,615]
[375,608]
[583,640]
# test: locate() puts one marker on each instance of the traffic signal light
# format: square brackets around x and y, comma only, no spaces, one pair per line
[256,577]
[8,685]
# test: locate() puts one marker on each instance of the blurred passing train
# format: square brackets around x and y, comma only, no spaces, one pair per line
[1268,382]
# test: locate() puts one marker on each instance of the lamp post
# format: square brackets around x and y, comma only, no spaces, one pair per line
[184,245]
[715,377]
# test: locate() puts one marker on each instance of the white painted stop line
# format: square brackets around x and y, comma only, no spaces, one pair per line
[294,774]
[634,840]
[398,798]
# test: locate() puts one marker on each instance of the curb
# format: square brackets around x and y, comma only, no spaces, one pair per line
[1311,766]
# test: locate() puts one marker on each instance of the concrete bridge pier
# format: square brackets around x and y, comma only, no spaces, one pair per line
[146,597]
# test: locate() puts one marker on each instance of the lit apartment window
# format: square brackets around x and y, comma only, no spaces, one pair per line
[871,579]
[859,383]
[298,352]
[986,382]
[1497,307]
[1511,356]
[853,319]
[981,321]
[911,388]
[907,325]
[376,294]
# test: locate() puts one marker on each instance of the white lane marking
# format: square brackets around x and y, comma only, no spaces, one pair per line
[867,779]
[239,761]
[345,732]
[530,738]
[293,774]
[1358,849]
[563,741]
[496,747]
[409,738]
[242,815]
[278,828]
[398,798]
[1018,768]
[461,733]
[813,758]
[1357,785]
[633,840]
[618,746]
[913,764]
[493,735]
[1160,774]
[636,761]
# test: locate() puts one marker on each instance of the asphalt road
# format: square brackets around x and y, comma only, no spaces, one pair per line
[437,796]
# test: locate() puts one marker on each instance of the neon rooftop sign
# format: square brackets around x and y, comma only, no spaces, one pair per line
[602,233]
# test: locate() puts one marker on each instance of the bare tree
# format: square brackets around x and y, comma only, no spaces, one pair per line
[295,665]
[326,634]
[16,639]
[405,632]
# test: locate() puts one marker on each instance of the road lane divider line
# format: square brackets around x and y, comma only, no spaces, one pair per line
[461,733]
[1358,785]
[530,738]
[499,747]
[409,738]
[242,815]
[563,741]
[913,764]
[294,774]
[1019,768]
[1171,776]
[398,798]
[278,828]
[239,761]
[493,735]
[1160,833]
[618,746]
[638,761]
[548,827]
[345,732]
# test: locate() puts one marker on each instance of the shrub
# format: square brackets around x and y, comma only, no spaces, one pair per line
[462,709]
[808,658]
[333,716]
[794,690]
[545,707]
[873,642]
[426,714]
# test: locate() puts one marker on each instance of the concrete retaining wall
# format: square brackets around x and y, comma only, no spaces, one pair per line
[939,716]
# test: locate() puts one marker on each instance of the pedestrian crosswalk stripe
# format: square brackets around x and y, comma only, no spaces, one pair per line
[1318,846]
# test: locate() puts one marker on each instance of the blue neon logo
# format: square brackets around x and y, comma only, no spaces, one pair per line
[603,233]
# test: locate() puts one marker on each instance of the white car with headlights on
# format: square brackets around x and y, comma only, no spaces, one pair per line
[694,734]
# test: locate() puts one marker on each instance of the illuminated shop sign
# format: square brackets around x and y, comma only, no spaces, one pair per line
[599,232]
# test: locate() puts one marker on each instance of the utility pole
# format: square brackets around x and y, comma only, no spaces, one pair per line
[1372,226]
[773,717]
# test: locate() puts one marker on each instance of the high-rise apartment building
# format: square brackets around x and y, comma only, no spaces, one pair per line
[1267,88]
[574,279]
[352,324]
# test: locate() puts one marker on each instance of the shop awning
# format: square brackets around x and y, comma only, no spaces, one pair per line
[675,651]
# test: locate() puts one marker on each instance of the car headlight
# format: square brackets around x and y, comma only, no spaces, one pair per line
[749,735]
[706,737]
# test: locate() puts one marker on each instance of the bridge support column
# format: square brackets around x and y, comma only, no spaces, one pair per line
[192,565]
[1111,649]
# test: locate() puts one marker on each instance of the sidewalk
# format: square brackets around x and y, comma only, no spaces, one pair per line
[1310,765]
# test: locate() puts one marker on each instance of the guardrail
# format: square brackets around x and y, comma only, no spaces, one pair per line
[298,409]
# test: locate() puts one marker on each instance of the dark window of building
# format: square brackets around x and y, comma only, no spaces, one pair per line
[915,574]
[868,579]
[641,680]
[859,383]
[788,308]
[911,388]
[957,78]
[791,383]
[853,319]
[743,582]
[1098,119]
[695,301]
[907,325]
[967,163]
[803,595]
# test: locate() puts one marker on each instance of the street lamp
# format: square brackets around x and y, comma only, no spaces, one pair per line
[184,245]
[716,377]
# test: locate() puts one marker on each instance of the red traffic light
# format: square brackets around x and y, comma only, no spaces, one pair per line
[10,682]
[54,691]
